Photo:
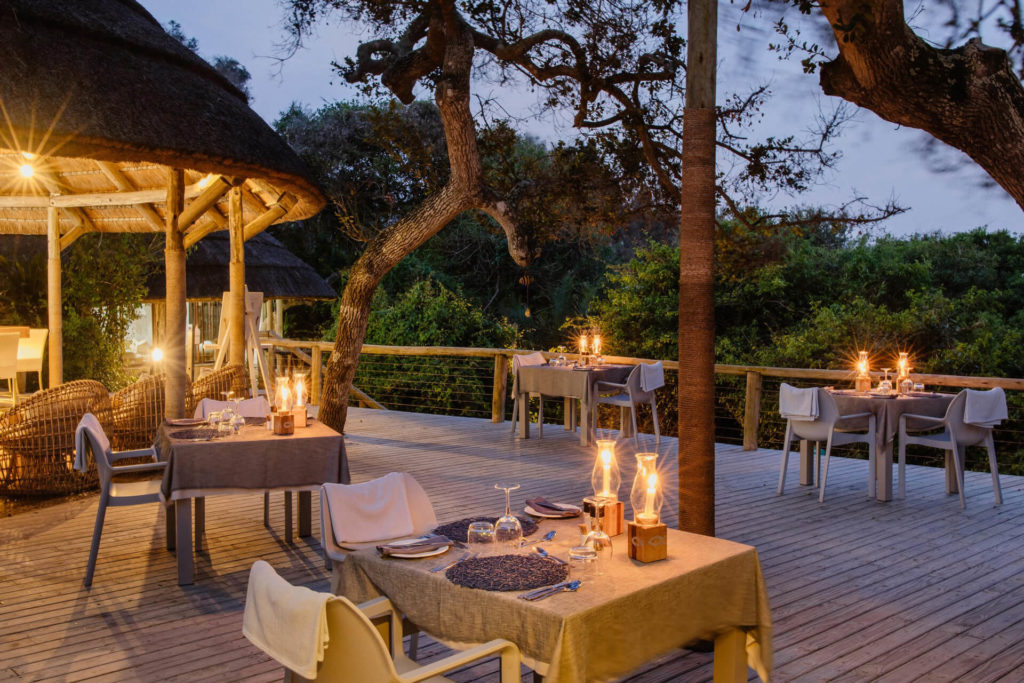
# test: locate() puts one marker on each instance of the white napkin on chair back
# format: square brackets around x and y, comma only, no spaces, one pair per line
[375,510]
[528,359]
[798,404]
[652,376]
[250,407]
[985,408]
[287,622]
[91,424]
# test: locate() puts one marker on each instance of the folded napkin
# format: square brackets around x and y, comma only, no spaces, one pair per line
[544,507]
[372,511]
[798,404]
[89,424]
[422,545]
[652,376]
[985,408]
[287,622]
[250,407]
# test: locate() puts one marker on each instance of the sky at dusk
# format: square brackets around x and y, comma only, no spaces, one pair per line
[881,161]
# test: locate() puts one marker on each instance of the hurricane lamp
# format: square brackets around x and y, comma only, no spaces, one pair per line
[646,496]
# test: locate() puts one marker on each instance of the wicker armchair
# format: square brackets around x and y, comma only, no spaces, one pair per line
[137,411]
[216,384]
[37,439]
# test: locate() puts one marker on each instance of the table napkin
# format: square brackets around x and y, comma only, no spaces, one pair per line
[985,408]
[423,545]
[371,511]
[652,376]
[287,622]
[91,424]
[543,506]
[798,404]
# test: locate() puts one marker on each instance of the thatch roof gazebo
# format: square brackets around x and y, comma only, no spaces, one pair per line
[111,125]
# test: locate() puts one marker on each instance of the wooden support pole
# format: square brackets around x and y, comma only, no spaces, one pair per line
[236,279]
[500,386]
[53,297]
[752,411]
[174,344]
[316,373]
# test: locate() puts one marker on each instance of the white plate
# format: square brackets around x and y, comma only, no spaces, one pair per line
[568,508]
[412,556]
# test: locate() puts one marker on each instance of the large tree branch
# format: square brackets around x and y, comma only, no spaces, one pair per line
[968,97]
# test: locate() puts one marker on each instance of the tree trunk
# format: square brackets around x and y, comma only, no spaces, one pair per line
[696,277]
[968,97]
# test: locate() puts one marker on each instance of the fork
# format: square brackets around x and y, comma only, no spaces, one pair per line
[547,592]
[543,539]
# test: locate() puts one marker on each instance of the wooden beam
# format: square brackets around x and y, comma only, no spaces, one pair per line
[53,298]
[81,220]
[214,190]
[174,257]
[236,278]
[67,201]
[116,176]
[273,214]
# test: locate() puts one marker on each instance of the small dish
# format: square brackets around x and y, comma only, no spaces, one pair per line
[565,506]
[413,556]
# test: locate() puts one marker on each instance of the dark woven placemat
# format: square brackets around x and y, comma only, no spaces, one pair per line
[458,529]
[198,433]
[507,573]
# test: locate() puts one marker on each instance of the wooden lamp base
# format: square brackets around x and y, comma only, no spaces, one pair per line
[283,422]
[610,515]
[647,543]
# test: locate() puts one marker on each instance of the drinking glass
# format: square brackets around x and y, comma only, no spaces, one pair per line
[213,418]
[237,422]
[885,386]
[480,538]
[582,562]
[508,532]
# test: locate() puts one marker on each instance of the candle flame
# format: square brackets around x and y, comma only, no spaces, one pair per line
[606,456]
[652,482]
[299,393]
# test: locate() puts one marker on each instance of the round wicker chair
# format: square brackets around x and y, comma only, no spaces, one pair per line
[136,413]
[37,439]
[215,384]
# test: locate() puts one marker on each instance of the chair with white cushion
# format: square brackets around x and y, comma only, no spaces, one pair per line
[321,637]
[30,353]
[90,436]
[812,414]
[9,362]
[968,421]
[638,388]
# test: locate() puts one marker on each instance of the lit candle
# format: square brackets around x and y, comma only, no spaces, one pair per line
[606,459]
[862,363]
[903,365]
[597,344]
[649,515]
[299,393]
[583,344]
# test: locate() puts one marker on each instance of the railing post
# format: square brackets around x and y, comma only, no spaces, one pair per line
[752,411]
[315,372]
[500,385]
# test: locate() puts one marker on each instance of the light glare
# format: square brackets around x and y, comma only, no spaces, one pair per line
[27,170]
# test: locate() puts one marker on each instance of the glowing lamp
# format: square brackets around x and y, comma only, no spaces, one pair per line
[646,496]
[27,170]
[605,478]
[863,382]
[157,354]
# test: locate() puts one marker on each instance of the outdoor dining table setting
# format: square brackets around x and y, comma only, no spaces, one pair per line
[565,582]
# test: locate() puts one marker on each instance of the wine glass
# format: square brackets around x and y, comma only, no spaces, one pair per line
[885,386]
[508,531]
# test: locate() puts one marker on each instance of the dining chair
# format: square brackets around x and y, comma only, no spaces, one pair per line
[638,388]
[824,426]
[9,362]
[955,436]
[521,361]
[30,353]
[90,436]
[356,649]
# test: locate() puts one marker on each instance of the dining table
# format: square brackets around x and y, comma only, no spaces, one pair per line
[707,590]
[887,411]
[253,460]
[572,382]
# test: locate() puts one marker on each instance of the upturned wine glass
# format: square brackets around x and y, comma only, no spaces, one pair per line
[508,531]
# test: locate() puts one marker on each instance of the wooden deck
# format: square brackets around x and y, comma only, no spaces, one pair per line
[860,590]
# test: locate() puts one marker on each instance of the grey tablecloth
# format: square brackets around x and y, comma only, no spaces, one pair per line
[579,383]
[613,624]
[255,460]
[888,410]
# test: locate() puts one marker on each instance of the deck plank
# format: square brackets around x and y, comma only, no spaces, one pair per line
[860,590]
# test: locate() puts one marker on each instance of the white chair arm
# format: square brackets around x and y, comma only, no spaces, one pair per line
[505,648]
[853,415]
[140,453]
[143,467]
[378,607]
[936,421]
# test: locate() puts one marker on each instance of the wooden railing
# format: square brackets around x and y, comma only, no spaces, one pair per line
[313,352]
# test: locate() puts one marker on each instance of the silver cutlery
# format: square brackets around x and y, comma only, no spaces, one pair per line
[452,563]
[546,537]
[548,591]
[545,554]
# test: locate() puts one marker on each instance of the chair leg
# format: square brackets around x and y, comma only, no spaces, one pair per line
[785,456]
[824,472]
[901,469]
[540,417]
[97,531]
[958,453]
[414,645]
[654,416]
[266,509]
[872,492]
[636,430]
[990,446]
[515,413]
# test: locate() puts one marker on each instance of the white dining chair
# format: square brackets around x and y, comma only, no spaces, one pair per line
[89,436]
[956,435]
[30,353]
[638,388]
[9,362]
[521,361]
[355,649]
[815,417]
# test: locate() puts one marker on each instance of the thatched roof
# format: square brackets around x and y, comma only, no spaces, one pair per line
[269,268]
[107,101]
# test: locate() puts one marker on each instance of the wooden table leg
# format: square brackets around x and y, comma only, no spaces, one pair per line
[288,517]
[200,522]
[952,485]
[524,416]
[567,414]
[883,472]
[731,657]
[183,533]
[305,514]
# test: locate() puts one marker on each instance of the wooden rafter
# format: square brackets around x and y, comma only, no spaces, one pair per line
[87,199]
[116,176]
[82,223]
[214,190]
[274,213]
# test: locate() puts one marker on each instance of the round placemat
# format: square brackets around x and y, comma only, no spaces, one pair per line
[458,529]
[198,433]
[507,573]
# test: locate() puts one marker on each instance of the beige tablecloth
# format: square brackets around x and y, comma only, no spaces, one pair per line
[255,460]
[613,624]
